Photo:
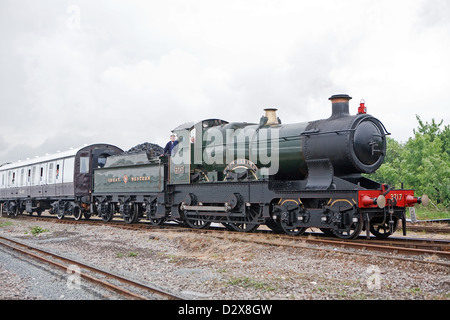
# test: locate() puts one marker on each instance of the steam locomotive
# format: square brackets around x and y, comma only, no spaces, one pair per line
[289,177]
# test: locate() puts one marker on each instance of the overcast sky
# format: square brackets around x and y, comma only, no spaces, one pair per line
[127,72]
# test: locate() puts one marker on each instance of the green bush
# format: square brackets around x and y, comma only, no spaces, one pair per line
[422,163]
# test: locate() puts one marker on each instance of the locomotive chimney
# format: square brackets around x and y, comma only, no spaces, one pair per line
[339,105]
[271,115]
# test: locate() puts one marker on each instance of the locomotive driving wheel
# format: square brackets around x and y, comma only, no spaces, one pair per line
[248,223]
[242,227]
[195,221]
[240,169]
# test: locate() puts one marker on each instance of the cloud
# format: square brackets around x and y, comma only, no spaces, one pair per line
[131,72]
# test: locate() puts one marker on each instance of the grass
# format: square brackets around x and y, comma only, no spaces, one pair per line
[413,290]
[247,282]
[37,230]
[430,213]
[130,254]
[6,224]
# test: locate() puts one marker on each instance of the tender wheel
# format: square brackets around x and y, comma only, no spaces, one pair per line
[381,228]
[108,214]
[60,214]
[151,211]
[130,214]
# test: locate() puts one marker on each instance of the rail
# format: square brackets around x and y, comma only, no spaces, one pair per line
[65,263]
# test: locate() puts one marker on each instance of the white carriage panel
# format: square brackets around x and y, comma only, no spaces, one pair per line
[9,179]
[34,175]
[51,173]
[2,179]
[22,174]
[68,171]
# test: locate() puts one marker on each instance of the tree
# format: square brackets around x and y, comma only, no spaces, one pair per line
[422,163]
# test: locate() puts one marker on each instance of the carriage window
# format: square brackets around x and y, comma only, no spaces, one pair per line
[22,174]
[57,171]
[14,177]
[29,175]
[84,164]
[42,173]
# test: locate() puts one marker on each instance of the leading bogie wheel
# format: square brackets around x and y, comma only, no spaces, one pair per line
[352,231]
[293,231]
[381,228]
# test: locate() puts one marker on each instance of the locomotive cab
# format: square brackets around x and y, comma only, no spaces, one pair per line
[186,164]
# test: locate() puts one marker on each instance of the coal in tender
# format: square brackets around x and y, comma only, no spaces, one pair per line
[147,147]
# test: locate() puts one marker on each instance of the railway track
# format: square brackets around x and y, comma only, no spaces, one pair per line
[430,229]
[397,246]
[90,273]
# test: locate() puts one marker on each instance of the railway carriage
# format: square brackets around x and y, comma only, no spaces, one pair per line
[61,182]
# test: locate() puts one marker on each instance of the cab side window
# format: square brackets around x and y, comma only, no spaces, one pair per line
[84,164]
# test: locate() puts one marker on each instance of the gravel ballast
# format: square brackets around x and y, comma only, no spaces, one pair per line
[203,266]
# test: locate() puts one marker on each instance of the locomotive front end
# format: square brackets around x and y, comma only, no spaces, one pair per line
[352,144]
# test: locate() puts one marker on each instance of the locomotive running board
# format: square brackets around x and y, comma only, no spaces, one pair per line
[320,174]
